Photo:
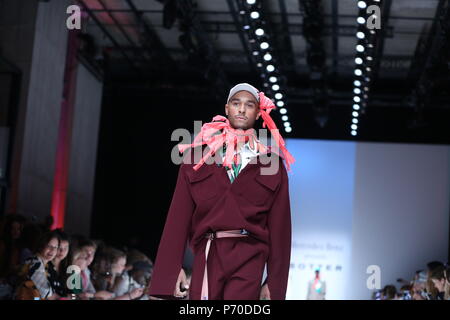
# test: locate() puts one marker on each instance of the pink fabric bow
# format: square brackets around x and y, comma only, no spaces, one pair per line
[267,104]
[219,132]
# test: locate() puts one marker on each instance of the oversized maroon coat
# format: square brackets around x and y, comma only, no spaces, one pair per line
[205,200]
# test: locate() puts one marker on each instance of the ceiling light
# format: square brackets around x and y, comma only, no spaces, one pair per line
[267,57]
[264,45]
[259,32]
[254,15]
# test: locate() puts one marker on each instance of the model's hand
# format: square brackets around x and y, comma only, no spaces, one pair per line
[183,282]
[265,293]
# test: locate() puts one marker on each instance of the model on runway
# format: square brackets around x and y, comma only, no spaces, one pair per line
[235,212]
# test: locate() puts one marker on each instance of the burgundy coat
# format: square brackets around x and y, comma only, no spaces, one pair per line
[205,200]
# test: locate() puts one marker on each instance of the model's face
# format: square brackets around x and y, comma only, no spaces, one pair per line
[242,110]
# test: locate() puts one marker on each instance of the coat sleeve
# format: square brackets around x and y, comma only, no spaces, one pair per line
[279,225]
[172,246]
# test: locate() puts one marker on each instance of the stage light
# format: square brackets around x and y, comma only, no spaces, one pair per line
[368,69]
[280,103]
[284,118]
[358,60]
[288,129]
[242,12]
[275,87]
[358,72]
[357,91]
[369,58]
[362,5]
[283,111]
[354,126]
[267,57]
[246,27]
[361,20]
[287,124]
[356,107]
[255,53]
[360,35]
[270,68]
[259,32]
[355,114]
[254,15]
[278,96]
[357,99]
[355,120]
[273,79]
[353,133]
[259,64]
[366,88]
[360,48]
[357,83]
[264,45]
[251,2]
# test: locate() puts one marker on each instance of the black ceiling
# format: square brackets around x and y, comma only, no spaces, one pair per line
[194,51]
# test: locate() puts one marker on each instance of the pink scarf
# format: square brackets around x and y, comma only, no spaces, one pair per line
[233,137]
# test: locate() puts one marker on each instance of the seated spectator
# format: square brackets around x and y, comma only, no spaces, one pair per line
[137,276]
[39,278]
[389,292]
[60,262]
[10,244]
[447,281]
[431,290]
[405,292]
[31,234]
[419,286]
[438,279]
[109,274]
[89,247]
[82,285]
[10,252]
[76,282]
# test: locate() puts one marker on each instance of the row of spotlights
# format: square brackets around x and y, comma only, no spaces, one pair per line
[269,68]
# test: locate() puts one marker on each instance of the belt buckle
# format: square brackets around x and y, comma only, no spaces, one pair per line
[244,232]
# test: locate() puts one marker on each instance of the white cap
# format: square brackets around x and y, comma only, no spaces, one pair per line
[244,87]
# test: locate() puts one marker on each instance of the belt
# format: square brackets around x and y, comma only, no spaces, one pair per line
[211,236]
